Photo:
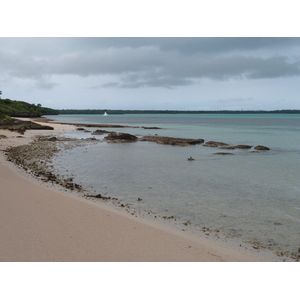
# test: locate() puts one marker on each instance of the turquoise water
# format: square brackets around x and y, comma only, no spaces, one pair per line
[251,196]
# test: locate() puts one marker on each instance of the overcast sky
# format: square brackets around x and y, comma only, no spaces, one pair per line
[152,73]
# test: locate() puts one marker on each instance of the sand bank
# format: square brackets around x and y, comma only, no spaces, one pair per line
[40,223]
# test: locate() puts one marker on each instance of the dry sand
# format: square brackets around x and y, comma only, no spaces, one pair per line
[40,223]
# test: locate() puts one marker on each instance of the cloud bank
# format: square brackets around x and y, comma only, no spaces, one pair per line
[149,62]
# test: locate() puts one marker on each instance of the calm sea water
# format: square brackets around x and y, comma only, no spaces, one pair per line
[251,196]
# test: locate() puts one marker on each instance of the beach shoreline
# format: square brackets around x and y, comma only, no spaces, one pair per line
[42,222]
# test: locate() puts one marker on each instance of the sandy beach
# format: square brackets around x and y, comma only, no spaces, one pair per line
[41,223]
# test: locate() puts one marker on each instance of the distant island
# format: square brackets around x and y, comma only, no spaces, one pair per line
[13,108]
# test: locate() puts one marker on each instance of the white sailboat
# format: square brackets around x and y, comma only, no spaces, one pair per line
[105,114]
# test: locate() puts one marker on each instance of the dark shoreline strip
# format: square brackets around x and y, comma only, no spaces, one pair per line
[97,125]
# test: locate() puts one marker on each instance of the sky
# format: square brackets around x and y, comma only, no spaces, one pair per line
[159,55]
[173,73]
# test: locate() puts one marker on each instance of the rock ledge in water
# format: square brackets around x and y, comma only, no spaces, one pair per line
[121,137]
[171,141]
[259,147]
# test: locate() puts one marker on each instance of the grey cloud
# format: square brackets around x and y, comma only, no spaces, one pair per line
[188,45]
[238,66]
[109,61]
[166,82]
[148,62]
[149,66]
[43,83]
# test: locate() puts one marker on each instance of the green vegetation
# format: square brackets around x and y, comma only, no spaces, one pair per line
[13,108]
[115,112]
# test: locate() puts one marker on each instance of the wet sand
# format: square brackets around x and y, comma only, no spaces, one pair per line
[41,223]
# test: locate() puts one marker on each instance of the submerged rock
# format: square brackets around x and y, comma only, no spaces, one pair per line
[211,145]
[259,147]
[144,127]
[243,147]
[214,144]
[223,153]
[227,147]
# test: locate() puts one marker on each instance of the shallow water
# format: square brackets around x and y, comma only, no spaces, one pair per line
[252,196]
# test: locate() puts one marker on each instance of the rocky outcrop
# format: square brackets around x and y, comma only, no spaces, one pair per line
[171,141]
[22,126]
[120,137]
[259,147]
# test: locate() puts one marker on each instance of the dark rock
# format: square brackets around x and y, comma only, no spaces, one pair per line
[121,137]
[227,147]
[211,145]
[171,141]
[243,147]
[52,139]
[144,127]
[80,128]
[100,132]
[224,153]
[95,196]
[214,144]
[259,147]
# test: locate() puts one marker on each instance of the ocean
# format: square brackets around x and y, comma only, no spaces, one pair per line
[251,197]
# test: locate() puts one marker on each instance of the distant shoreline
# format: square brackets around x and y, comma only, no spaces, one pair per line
[123,112]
